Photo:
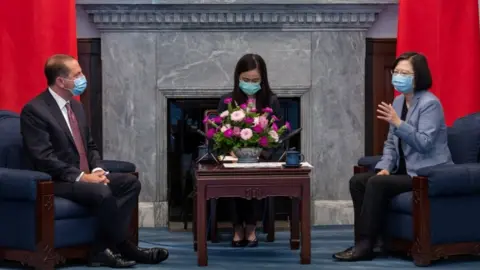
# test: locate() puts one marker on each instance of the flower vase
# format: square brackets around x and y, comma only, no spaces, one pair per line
[248,154]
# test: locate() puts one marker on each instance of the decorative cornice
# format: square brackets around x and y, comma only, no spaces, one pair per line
[233,17]
[182,92]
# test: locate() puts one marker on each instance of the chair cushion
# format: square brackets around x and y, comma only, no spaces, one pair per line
[12,155]
[74,232]
[402,203]
[469,126]
[464,144]
[66,209]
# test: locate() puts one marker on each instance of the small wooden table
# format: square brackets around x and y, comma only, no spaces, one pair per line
[216,181]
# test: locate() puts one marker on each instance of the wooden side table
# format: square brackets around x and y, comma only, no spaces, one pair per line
[216,181]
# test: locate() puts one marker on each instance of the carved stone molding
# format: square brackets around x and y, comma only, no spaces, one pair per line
[218,17]
[284,91]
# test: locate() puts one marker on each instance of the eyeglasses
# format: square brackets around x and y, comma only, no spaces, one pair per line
[401,72]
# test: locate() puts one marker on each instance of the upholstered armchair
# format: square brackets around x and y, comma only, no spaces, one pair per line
[36,228]
[439,217]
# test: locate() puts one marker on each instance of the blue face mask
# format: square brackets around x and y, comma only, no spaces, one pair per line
[80,84]
[249,88]
[403,83]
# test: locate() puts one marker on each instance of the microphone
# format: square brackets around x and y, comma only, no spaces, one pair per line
[290,135]
[201,133]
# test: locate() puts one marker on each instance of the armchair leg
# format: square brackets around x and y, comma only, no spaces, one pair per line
[421,249]
[421,259]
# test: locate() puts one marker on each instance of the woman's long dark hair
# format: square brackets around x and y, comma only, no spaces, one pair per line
[246,63]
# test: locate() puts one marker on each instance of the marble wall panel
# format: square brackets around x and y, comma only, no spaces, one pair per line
[206,60]
[337,113]
[129,104]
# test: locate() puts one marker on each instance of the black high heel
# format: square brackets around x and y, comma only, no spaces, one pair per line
[239,243]
[252,243]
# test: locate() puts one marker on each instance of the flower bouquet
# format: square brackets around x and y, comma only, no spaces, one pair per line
[244,131]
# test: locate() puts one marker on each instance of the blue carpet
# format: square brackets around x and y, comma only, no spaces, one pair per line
[277,255]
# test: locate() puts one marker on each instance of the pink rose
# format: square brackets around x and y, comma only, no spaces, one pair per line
[258,129]
[236,131]
[287,124]
[227,100]
[263,141]
[275,127]
[210,133]
[267,110]
[243,106]
[228,133]
[263,121]
[253,109]
[217,120]
[246,134]
[248,120]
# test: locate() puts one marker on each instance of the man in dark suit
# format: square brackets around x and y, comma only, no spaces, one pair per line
[58,140]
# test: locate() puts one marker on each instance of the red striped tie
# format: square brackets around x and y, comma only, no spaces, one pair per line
[77,137]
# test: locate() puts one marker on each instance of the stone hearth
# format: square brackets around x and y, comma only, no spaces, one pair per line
[160,49]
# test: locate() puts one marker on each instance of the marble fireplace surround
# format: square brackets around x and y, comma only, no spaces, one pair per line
[314,49]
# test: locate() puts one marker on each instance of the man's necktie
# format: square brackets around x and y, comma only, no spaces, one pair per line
[77,137]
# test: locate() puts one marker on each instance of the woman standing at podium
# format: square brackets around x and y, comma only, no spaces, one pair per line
[250,82]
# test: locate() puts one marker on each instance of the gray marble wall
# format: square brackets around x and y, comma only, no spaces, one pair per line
[316,52]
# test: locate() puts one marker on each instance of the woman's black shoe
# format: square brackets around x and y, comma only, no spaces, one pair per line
[354,254]
[239,243]
[253,243]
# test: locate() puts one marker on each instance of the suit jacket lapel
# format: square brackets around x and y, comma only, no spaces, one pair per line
[412,106]
[58,115]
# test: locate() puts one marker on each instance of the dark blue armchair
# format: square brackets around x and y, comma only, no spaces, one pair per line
[37,228]
[439,218]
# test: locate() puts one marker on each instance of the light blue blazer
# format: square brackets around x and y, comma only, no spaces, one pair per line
[423,135]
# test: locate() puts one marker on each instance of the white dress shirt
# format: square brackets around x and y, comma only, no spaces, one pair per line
[61,104]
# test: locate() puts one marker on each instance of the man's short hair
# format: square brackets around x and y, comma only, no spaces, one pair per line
[55,67]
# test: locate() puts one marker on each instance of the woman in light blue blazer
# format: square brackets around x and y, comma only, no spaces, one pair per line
[417,138]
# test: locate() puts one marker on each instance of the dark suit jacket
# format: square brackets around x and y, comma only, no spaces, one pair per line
[49,142]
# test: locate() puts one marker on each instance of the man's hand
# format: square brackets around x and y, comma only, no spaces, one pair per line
[383,172]
[94,178]
[99,172]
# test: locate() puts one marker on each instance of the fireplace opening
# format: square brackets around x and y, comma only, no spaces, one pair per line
[184,118]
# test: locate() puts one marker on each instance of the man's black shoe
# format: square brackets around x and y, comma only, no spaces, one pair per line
[107,258]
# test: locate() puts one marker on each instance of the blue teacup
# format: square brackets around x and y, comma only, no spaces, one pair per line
[294,158]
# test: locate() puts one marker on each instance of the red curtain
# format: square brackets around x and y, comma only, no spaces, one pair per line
[31,31]
[447,33]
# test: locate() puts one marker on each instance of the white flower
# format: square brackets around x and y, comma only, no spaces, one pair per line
[246,133]
[256,120]
[237,116]
[224,114]
[274,135]
[224,128]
